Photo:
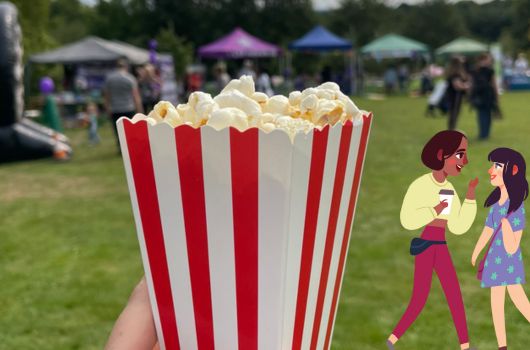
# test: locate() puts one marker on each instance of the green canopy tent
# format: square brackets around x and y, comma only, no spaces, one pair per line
[462,46]
[394,46]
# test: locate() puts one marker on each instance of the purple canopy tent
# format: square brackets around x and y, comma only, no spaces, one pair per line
[239,44]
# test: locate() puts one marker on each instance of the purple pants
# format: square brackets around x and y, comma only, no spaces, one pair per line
[436,258]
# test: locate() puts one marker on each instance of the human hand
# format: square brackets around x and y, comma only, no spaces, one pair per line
[441,206]
[471,188]
[135,327]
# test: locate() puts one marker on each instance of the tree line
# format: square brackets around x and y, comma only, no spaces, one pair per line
[182,25]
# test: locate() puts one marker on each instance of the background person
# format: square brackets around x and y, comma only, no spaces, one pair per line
[390,79]
[92,121]
[221,76]
[457,85]
[50,113]
[484,94]
[403,77]
[520,65]
[247,69]
[263,84]
[149,85]
[122,97]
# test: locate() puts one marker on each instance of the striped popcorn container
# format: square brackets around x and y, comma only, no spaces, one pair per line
[243,235]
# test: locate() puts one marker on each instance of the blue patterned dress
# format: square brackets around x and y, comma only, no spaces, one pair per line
[501,268]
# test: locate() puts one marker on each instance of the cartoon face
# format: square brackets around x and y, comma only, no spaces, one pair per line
[455,163]
[496,172]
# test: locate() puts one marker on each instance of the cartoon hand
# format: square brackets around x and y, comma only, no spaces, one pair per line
[505,224]
[441,206]
[471,188]
[474,258]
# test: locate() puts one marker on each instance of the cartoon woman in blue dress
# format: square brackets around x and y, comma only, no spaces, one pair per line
[503,267]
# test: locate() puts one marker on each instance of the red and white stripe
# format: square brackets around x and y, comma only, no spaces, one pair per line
[243,235]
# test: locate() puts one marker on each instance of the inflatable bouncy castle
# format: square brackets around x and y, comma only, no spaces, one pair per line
[20,138]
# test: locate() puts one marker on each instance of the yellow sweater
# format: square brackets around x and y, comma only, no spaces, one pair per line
[421,198]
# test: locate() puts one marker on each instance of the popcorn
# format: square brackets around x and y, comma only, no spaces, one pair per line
[203,104]
[260,97]
[187,113]
[327,112]
[240,106]
[277,104]
[309,104]
[295,97]
[326,94]
[329,86]
[173,118]
[237,99]
[349,107]
[268,127]
[245,85]
[229,116]
[293,126]
[138,116]
[309,91]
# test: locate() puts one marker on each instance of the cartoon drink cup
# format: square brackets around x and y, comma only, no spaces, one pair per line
[447,196]
[243,231]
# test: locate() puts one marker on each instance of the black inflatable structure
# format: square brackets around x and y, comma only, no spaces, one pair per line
[20,138]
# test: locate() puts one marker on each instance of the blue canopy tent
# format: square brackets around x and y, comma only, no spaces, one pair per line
[319,39]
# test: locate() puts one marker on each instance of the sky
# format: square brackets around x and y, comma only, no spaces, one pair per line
[331,4]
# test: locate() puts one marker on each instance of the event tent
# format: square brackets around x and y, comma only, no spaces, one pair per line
[463,46]
[394,46]
[92,49]
[239,44]
[320,39]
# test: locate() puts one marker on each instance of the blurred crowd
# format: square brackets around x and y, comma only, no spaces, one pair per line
[127,90]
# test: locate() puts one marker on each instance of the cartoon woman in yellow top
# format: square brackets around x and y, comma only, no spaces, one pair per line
[431,202]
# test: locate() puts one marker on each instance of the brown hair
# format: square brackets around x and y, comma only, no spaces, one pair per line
[483,56]
[447,141]
[455,67]
[122,63]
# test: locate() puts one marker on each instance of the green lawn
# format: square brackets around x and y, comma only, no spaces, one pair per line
[69,256]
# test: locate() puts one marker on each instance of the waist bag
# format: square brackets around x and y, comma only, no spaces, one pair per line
[419,245]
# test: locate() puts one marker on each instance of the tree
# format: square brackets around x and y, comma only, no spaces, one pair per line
[33,17]
[69,20]
[484,21]
[281,21]
[181,50]
[360,20]
[520,12]
[434,22]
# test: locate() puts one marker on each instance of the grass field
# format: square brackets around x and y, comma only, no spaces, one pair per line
[69,256]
